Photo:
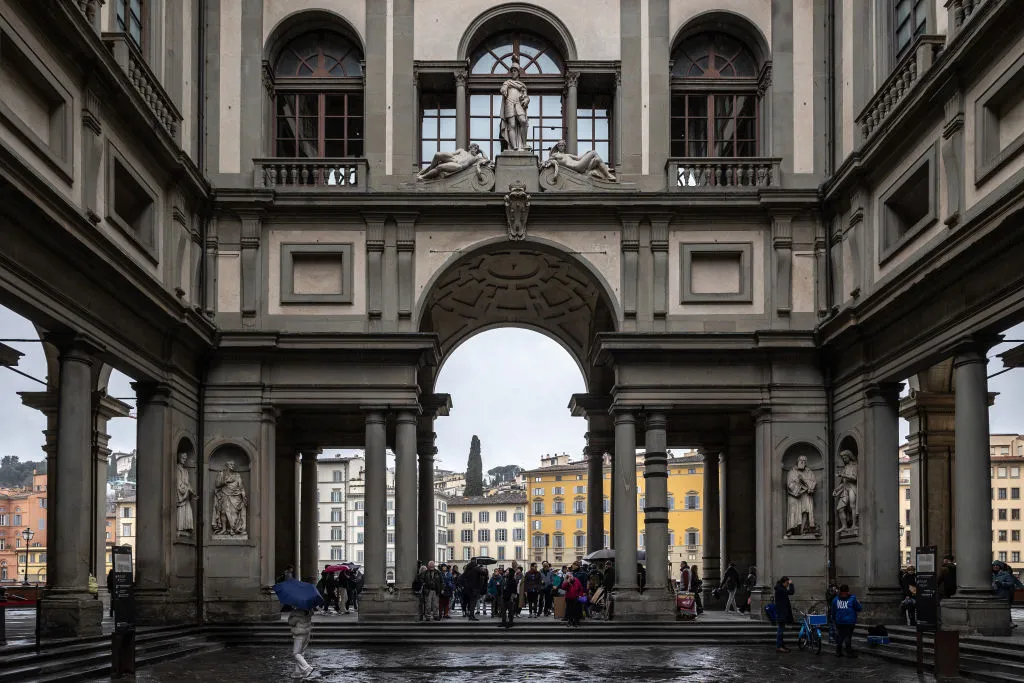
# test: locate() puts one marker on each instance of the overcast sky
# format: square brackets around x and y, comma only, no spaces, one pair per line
[510,387]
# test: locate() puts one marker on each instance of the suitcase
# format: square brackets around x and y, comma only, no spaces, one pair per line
[559,607]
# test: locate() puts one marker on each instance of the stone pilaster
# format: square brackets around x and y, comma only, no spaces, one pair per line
[309,569]
[69,610]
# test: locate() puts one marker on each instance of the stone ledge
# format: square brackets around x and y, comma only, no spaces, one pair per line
[981,615]
[648,606]
[383,606]
[70,615]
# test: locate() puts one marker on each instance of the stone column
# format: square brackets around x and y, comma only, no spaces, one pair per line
[739,496]
[595,495]
[427,532]
[571,79]
[930,450]
[880,509]
[375,521]
[107,408]
[406,500]
[764,534]
[712,562]
[461,110]
[152,507]
[69,610]
[656,507]
[624,504]
[973,609]
[309,534]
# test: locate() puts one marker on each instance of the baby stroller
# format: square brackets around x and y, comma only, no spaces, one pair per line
[599,604]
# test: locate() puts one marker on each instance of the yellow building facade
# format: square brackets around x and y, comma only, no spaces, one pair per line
[557,517]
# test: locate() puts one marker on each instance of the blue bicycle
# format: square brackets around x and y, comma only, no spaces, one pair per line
[810,632]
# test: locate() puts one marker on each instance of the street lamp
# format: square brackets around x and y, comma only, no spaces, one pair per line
[28,535]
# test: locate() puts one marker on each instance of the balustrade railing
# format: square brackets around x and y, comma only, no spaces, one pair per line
[338,175]
[722,173]
[960,11]
[144,80]
[91,10]
[902,80]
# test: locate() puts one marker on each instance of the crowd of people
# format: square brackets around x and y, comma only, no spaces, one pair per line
[504,593]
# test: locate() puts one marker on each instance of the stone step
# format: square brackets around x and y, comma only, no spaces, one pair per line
[988,663]
[101,670]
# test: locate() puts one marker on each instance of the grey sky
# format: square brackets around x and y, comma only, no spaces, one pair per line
[509,386]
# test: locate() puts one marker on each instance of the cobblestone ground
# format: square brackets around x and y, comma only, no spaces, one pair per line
[530,664]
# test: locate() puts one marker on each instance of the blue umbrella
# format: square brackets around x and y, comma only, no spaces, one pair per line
[298,594]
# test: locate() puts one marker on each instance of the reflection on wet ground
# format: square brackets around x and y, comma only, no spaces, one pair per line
[688,663]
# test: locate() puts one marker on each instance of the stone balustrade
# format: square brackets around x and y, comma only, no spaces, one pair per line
[90,9]
[723,173]
[961,11]
[145,81]
[902,80]
[328,175]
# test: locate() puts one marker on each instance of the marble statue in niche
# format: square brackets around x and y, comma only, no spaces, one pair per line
[514,118]
[230,503]
[800,487]
[185,495]
[845,494]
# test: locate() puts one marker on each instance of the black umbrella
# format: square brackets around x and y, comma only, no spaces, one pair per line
[485,560]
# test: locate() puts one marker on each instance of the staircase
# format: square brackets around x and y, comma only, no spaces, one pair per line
[982,659]
[526,632]
[84,659]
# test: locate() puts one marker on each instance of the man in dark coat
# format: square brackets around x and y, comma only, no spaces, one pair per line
[474,584]
[783,610]
[110,589]
[608,583]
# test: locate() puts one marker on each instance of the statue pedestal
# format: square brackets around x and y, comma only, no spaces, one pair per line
[512,166]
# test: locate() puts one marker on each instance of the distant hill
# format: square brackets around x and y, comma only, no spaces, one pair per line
[15,474]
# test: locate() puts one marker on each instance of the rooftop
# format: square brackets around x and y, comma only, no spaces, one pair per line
[511,498]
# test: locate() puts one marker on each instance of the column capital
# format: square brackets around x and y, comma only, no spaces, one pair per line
[973,348]
[654,418]
[407,415]
[762,414]
[151,392]
[623,416]
[374,414]
[309,454]
[883,393]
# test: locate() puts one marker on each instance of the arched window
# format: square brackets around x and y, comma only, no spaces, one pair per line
[318,97]
[543,73]
[715,99]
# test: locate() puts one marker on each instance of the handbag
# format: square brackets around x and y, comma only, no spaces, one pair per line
[582,599]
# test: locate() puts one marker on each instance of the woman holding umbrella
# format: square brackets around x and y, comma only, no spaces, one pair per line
[300,598]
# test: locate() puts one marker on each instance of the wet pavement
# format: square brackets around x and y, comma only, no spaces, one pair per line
[690,663]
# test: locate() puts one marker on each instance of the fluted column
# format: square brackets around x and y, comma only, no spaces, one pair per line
[308,517]
[972,495]
[375,522]
[406,499]
[624,502]
[712,562]
[656,508]
[461,108]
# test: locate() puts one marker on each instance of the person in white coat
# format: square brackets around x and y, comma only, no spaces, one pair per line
[300,621]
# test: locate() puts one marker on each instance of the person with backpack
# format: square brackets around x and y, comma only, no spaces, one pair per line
[509,596]
[844,609]
[731,583]
[783,611]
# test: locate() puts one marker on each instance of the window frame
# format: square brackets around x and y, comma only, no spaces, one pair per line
[122,24]
[919,27]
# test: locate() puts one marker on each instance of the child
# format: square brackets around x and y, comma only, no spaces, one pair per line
[845,608]
[301,623]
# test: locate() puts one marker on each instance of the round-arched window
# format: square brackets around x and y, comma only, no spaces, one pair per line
[532,54]
[318,97]
[715,98]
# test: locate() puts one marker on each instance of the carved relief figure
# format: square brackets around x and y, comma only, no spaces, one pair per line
[445,164]
[230,503]
[589,163]
[514,119]
[800,487]
[845,493]
[185,520]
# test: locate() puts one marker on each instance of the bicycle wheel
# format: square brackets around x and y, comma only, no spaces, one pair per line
[801,640]
[816,634]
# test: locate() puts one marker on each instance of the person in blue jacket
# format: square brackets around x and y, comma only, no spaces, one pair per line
[844,610]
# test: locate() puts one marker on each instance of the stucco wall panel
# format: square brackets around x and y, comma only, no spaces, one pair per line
[229,144]
[803,281]
[803,86]
[354,237]
[440,26]
[229,282]
[677,237]
[353,11]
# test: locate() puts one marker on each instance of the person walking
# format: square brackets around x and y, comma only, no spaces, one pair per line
[533,583]
[608,583]
[783,611]
[748,588]
[844,609]
[417,590]
[697,588]
[300,623]
[474,585]
[684,577]
[731,583]
[110,589]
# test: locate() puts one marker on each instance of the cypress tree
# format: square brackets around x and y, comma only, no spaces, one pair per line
[474,470]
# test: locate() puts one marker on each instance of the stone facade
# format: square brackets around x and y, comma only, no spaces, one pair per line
[178,202]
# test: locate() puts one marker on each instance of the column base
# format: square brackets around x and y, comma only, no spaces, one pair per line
[70,614]
[651,605]
[759,597]
[157,608]
[976,615]
[881,606]
[383,605]
[261,607]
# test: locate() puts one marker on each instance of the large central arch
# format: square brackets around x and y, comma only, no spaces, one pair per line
[531,284]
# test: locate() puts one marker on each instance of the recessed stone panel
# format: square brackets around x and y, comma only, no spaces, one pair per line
[316,273]
[715,272]
[712,273]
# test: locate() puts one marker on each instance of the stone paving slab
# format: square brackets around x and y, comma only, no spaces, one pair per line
[578,664]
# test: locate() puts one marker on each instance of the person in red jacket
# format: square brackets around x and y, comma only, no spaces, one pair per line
[573,608]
